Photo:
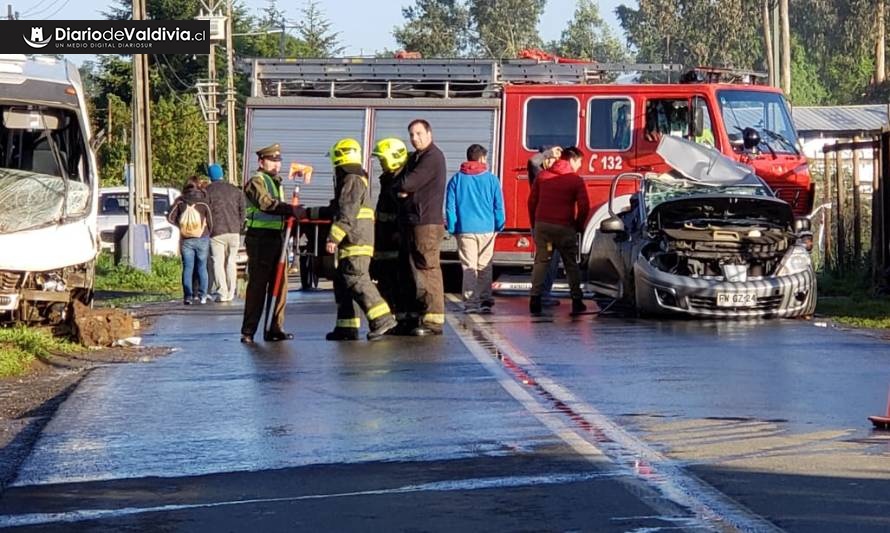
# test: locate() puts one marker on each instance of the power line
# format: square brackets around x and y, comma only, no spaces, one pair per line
[34,12]
[33,8]
[166,61]
[56,11]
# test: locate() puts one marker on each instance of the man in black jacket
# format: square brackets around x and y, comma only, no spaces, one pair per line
[421,186]
[227,206]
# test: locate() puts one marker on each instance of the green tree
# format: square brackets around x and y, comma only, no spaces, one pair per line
[503,28]
[435,28]
[314,29]
[838,37]
[695,32]
[588,36]
[178,140]
[281,44]
[114,153]
[807,86]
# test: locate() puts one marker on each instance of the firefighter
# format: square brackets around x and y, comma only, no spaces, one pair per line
[421,186]
[352,240]
[392,154]
[266,215]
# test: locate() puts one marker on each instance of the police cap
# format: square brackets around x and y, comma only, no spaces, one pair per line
[271,152]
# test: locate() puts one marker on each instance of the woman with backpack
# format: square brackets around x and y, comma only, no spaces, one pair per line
[191,213]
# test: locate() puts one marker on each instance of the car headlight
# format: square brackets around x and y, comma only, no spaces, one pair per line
[164,233]
[797,261]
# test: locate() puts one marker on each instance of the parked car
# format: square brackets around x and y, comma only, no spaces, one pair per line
[114,204]
[707,239]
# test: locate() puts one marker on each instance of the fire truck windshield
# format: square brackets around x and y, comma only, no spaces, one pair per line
[764,111]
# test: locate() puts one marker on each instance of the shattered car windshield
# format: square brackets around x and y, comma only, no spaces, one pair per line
[43,167]
[666,187]
[766,112]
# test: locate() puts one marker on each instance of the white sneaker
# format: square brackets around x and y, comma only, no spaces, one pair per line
[203,300]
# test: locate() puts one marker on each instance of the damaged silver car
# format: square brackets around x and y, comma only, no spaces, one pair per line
[706,239]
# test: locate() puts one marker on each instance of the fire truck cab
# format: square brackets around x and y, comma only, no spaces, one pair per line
[515,108]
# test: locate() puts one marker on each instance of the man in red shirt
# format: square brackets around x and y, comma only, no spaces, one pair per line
[558,208]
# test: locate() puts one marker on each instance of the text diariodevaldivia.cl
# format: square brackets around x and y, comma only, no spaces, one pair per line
[129,34]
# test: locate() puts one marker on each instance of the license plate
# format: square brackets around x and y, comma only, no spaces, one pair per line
[736,299]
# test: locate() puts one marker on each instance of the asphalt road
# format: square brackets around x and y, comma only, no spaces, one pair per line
[506,423]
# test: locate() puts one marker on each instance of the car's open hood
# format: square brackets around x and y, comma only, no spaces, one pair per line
[721,208]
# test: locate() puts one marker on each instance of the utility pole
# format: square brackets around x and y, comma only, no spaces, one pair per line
[141,150]
[880,69]
[768,44]
[786,47]
[777,59]
[231,131]
[213,116]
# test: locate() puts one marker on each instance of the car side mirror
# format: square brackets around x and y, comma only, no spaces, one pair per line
[698,122]
[751,138]
[613,225]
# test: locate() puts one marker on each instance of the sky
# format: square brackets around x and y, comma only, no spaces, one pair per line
[367,28]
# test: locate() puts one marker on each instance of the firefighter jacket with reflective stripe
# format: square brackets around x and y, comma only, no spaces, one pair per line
[350,210]
[386,227]
[266,209]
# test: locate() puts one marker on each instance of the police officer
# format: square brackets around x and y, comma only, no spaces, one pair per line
[392,154]
[352,239]
[266,215]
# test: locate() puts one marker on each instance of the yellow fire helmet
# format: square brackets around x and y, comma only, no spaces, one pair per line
[392,153]
[346,152]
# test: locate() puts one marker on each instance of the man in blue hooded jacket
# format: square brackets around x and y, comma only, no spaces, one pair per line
[474,213]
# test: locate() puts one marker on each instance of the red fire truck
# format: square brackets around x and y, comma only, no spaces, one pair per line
[514,108]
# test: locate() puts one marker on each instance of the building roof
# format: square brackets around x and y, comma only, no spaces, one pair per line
[840,120]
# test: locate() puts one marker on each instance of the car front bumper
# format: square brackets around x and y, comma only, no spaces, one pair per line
[658,292]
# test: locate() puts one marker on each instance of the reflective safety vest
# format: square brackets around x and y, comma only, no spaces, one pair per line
[256,218]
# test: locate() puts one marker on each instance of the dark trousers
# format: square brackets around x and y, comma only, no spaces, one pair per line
[354,289]
[263,251]
[385,271]
[550,237]
[423,295]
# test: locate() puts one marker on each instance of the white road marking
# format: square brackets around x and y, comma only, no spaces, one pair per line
[33,519]
[632,455]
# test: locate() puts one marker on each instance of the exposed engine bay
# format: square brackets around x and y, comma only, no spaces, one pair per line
[704,250]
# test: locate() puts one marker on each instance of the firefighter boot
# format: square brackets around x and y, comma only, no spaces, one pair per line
[578,306]
[534,305]
[381,327]
[342,334]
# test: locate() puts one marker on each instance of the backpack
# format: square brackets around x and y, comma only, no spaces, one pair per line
[191,223]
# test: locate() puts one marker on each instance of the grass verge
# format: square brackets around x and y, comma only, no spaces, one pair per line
[849,300]
[122,285]
[20,346]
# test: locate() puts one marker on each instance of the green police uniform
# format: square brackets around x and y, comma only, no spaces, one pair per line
[266,213]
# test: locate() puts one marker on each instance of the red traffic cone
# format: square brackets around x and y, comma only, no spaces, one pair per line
[882,422]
